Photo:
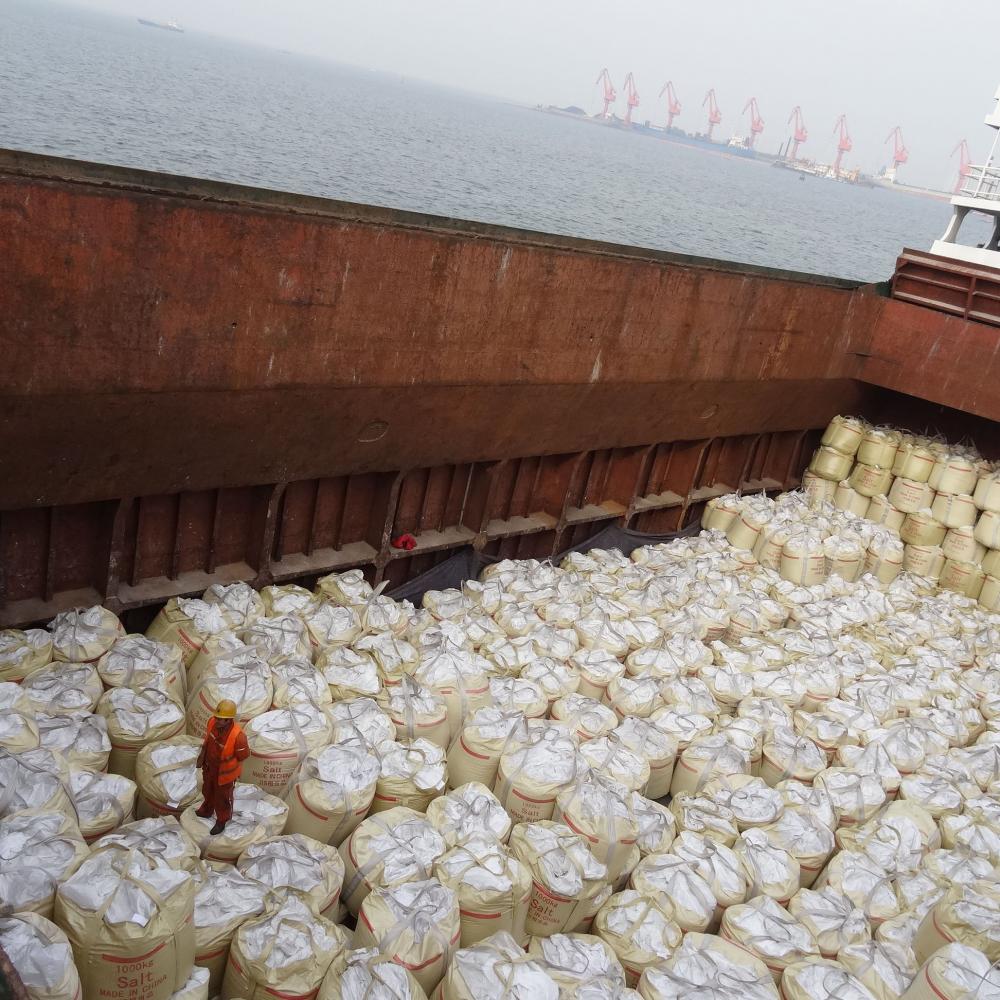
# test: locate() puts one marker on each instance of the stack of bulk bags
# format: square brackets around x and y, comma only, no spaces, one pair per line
[286,951]
[129,920]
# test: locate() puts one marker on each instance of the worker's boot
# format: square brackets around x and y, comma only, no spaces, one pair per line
[218,828]
[204,810]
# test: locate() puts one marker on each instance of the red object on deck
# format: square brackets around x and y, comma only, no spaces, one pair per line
[406,542]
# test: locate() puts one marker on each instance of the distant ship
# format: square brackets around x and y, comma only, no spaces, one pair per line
[165,25]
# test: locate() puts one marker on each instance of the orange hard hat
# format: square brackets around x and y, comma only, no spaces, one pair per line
[226,709]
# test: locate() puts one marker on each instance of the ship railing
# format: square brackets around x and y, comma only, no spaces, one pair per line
[982,181]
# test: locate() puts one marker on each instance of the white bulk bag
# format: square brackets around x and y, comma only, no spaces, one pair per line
[278,742]
[298,865]
[833,919]
[38,850]
[80,739]
[332,792]
[224,899]
[532,774]
[370,975]
[569,885]
[137,662]
[286,950]
[161,839]
[709,968]
[84,635]
[167,776]
[41,956]
[129,920]
[416,923]
[63,688]
[256,817]
[770,933]
[137,717]
[396,846]
[496,969]
[471,810]
[492,887]
[21,653]
[102,802]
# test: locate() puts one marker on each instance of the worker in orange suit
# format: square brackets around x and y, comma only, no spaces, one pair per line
[221,760]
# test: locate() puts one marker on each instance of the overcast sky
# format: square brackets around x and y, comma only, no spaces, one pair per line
[882,62]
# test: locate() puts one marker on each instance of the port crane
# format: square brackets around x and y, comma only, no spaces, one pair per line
[756,122]
[714,114]
[610,94]
[631,98]
[673,105]
[801,133]
[900,154]
[964,164]
[844,145]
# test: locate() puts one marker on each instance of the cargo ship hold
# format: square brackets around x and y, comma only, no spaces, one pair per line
[219,383]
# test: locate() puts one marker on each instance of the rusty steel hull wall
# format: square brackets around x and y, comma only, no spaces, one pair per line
[205,382]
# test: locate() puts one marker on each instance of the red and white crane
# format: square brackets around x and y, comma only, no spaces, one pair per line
[756,122]
[801,133]
[714,114]
[673,105]
[610,94]
[631,98]
[844,145]
[964,164]
[900,154]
